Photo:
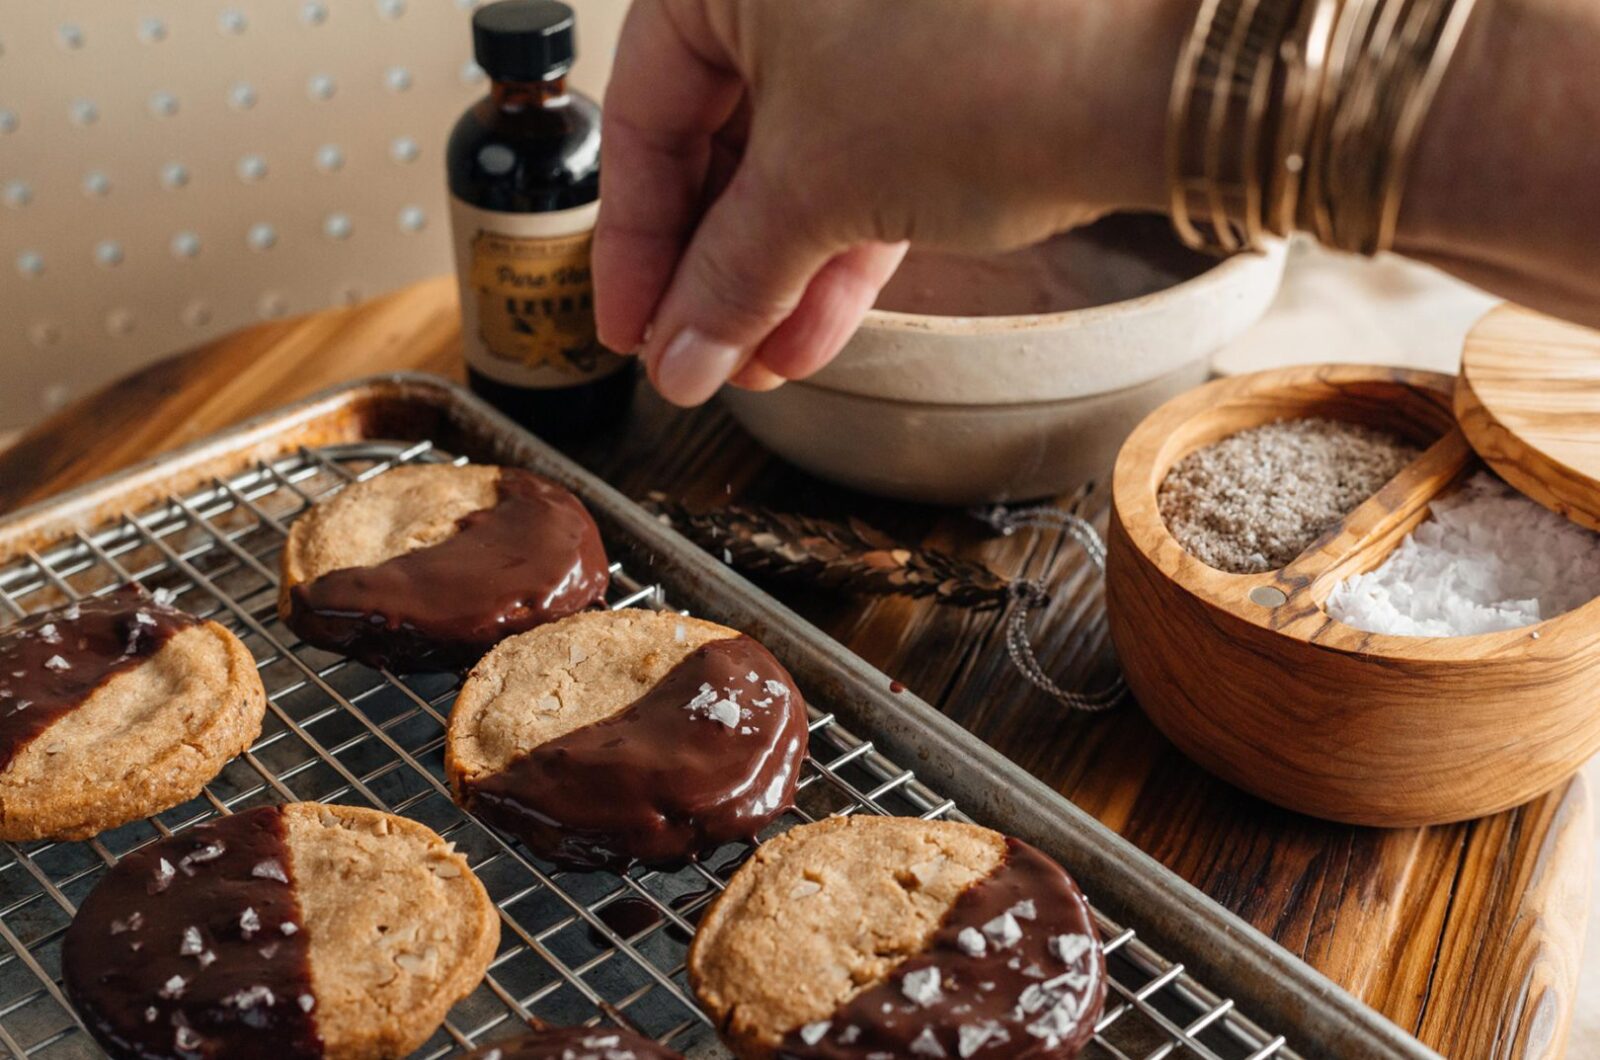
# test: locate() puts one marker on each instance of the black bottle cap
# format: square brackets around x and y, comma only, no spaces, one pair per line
[524,40]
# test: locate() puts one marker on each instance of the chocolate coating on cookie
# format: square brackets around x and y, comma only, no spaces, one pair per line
[194,948]
[576,1043]
[710,754]
[1014,970]
[51,663]
[533,556]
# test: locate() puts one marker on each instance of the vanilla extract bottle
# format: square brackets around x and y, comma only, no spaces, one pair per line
[524,170]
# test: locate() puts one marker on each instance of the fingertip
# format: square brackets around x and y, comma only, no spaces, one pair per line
[757,377]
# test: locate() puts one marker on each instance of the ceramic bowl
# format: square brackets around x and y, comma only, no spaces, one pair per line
[1061,351]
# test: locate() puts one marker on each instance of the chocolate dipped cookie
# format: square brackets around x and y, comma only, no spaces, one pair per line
[428,566]
[627,736]
[117,708]
[280,933]
[575,1043]
[898,937]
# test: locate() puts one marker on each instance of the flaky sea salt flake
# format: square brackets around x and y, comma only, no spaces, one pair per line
[192,943]
[57,663]
[972,942]
[970,1037]
[1003,930]
[922,987]
[251,997]
[249,921]
[1025,910]
[812,1033]
[173,987]
[927,1044]
[1068,948]
[270,869]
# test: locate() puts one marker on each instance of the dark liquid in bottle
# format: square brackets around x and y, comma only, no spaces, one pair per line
[533,148]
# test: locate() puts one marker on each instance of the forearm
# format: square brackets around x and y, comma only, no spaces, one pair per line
[1504,188]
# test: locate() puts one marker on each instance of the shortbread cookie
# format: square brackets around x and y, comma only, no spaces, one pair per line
[575,1043]
[899,937]
[117,708]
[426,567]
[282,932]
[614,737]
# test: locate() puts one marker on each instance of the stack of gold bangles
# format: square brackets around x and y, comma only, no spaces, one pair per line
[1303,114]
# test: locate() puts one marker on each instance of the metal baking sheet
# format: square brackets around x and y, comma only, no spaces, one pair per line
[1188,978]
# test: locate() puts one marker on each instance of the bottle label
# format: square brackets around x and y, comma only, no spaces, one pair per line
[527,297]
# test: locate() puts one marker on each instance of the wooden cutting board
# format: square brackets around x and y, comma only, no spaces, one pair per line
[1467,935]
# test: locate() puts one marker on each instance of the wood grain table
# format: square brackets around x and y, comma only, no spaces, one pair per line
[1468,935]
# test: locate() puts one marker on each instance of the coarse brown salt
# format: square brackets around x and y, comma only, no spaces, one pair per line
[1257,499]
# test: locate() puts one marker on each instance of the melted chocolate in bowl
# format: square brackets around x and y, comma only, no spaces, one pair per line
[534,557]
[575,1043]
[1120,257]
[53,662]
[711,754]
[194,947]
[1015,970]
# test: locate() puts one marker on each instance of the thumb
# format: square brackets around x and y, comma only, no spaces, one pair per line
[742,275]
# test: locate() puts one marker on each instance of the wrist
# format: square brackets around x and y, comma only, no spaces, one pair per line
[1115,86]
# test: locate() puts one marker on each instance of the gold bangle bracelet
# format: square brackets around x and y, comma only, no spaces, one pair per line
[1304,59]
[1303,113]
[1417,107]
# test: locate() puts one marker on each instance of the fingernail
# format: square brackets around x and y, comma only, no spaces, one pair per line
[693,367]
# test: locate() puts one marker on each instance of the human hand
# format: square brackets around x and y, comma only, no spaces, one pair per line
[766,161]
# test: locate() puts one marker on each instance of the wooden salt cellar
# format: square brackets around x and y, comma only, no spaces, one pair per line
[1248,675]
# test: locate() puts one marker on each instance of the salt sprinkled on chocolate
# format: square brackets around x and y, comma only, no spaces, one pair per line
[271,869]
[972,942]
[812,1033]
[1004,930]
[927,1044]
[922,987]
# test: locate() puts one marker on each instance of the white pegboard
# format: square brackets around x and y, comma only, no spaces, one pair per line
[171,170]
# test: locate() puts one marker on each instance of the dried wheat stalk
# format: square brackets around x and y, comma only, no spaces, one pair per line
[849,556]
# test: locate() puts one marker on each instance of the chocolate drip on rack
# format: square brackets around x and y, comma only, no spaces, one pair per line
[533,557]
[53,662]
[193,948]
[1015,970]
[711,754]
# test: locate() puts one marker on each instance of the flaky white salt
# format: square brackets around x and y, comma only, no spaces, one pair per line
[1486,559]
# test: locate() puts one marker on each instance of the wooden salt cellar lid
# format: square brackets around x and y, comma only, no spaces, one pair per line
[1528,400]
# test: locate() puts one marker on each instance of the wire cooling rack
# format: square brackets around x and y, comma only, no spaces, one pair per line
[577,948]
